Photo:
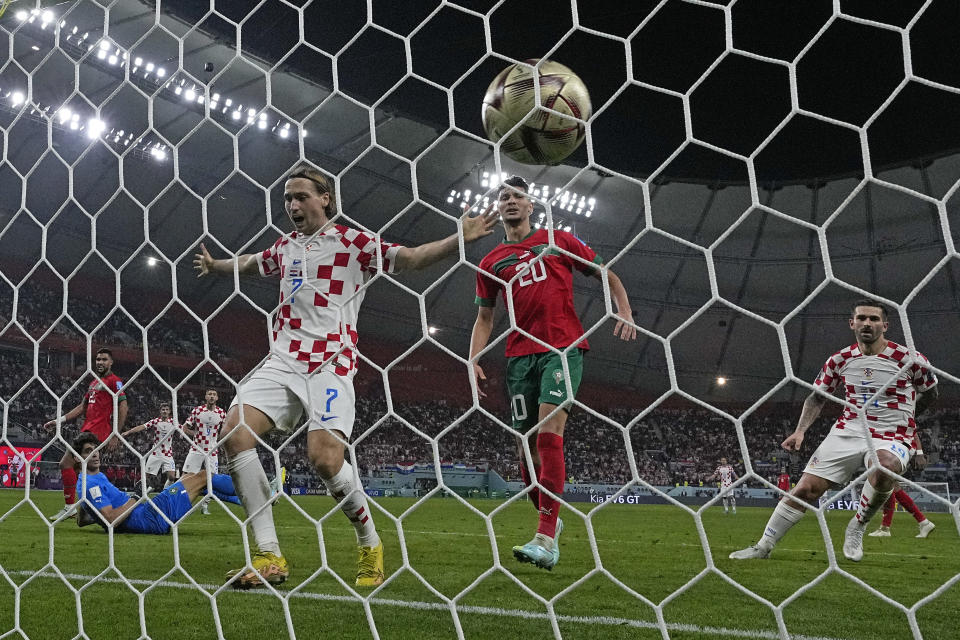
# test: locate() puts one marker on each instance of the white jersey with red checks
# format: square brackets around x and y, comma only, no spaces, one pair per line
[207,424]
[899,379]
[320,295]
[726,474]
[163,437]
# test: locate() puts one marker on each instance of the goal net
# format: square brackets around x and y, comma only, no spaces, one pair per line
[746,175]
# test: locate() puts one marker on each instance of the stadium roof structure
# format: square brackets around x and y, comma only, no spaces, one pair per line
[199,169]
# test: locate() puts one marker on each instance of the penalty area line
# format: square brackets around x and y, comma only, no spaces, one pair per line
[439,606]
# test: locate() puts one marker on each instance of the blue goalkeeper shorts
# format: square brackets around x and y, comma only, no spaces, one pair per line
[173,502]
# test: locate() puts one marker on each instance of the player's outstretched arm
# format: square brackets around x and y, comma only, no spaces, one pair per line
[811,410]
[479,338]
[136,429]
[618,293]
[424,255]
[68,416]
[204,263]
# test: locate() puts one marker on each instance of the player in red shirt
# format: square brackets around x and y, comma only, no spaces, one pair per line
[97,409]
[885,387]
[783,481]
[540,279]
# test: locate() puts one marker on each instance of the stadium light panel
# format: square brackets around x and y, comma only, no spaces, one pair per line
[17,98]
[21,15]
[95,127]
[721,380]
[47,16]
[189,95]
[432,330]
[151,262]
[161,72]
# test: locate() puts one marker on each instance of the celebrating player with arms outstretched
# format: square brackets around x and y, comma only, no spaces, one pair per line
[879,377]
[726,474]
[97,408]
[542,296]
[160,460]
[323,268]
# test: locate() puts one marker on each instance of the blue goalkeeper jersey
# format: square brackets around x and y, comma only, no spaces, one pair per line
[101,492]
[173,502]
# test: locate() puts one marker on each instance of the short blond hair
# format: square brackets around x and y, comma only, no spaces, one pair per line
[321,181]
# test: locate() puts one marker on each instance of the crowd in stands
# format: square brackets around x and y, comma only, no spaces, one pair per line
[37,313]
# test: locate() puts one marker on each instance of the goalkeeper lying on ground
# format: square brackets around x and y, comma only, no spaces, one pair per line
[124,513]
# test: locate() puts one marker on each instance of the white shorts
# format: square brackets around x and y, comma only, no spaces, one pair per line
[285,396]
[196,459]
[157,464]
[839,456]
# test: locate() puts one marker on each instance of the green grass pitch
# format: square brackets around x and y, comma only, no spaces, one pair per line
[652,550]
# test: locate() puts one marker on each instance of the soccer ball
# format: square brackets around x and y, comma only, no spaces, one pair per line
[543,137]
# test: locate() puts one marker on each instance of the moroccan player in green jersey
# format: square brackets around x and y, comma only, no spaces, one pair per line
[541,288]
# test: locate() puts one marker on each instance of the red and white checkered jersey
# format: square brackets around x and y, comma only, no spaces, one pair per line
[320,294]
[163,437]
[726,474]
[207,423]
[894,374]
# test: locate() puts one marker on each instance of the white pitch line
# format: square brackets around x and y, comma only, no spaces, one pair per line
[439,606]
[870,553]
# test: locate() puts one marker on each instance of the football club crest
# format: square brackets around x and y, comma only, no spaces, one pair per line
[558,376]
[867,373]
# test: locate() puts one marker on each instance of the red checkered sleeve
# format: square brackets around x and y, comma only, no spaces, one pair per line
[829,378]
[374,255]
[270,260]
[923,377]
[191,420]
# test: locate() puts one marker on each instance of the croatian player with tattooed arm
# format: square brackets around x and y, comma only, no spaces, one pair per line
[881,378]
[542,296]
[322,267]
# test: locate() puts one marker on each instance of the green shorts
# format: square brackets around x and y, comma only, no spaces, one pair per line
[537,379]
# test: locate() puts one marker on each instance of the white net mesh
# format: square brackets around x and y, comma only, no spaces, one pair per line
[131,130]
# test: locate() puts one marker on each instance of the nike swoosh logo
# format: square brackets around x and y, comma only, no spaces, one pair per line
[325,418]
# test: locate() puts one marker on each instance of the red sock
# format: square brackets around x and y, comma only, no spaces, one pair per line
[69,477]
[907,503]
[888,509]
[552,473]
[535,492]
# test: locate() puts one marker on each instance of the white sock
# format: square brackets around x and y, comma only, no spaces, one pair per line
[254,492]
[871,501]
[354,505]
[783,518]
